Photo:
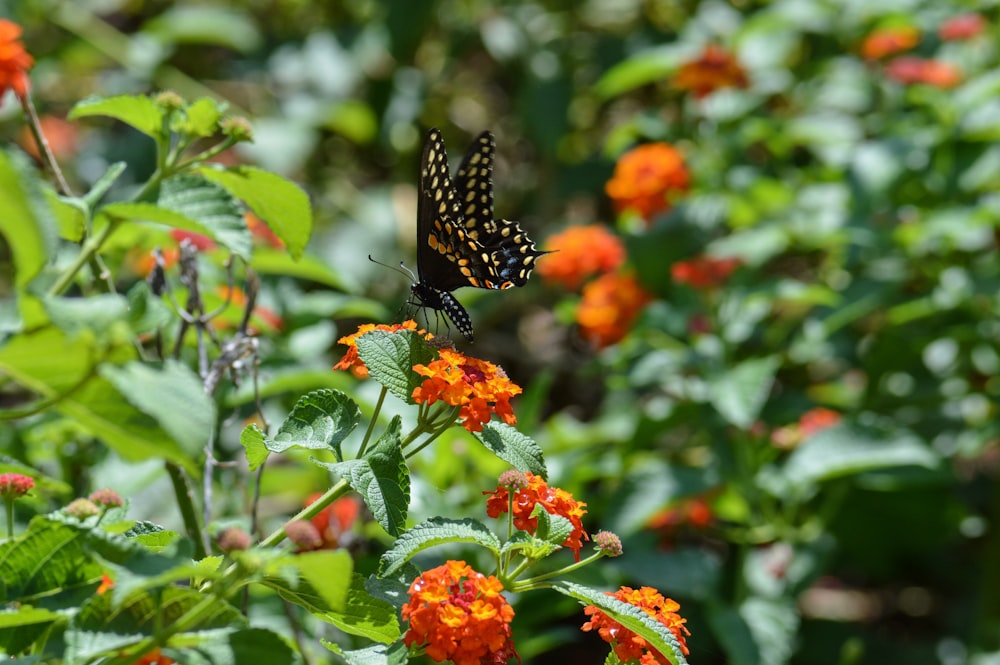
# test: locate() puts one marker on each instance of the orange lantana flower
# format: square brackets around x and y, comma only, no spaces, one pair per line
[154,657]
[554,500]
[14,60]
[335,520]
[580,252]
[704,272]
[628,646]
[887,41]
[715,68]
[963,26]
[352,362]
[458,614]
[479,387]
[909,70]
[645,176]
[609,307]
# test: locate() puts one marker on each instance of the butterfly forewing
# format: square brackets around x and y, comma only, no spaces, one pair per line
[474,186]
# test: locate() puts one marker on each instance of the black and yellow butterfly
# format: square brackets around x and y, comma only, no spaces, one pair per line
[458,241]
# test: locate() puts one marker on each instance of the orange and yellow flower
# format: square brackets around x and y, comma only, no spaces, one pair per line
[479,387]
[554,500]
[610,305]
[460,615]
[645,177]
[910,70]
[628,646]
[14,60]
[961,27]
[888,41]
[715,68]
[704,272]
[352,362]
[579,253]
[335,520]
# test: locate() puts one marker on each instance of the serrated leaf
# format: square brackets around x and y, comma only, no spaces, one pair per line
[320,420]
[436,531]
[252,440]
[146,312]
[232,647]
[317,581]
[48,557]
[379,654]
[530,547]
[279,202]
[173,395]
[136,110]
[740,393]
[381,478]
[97,312]
[365,615]
[631,617]
[210,206]
[390,358]
[845,450]
[517,449]
[552,528]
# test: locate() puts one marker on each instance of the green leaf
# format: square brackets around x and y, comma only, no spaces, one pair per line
[48,557]
[70,215]
[206,24]
[847,450]
[317,581]
[279,202]
[101,627]
[379,654]
[269,261]
[365,615]
[252,440]
[740,393]
[552,528]
[381,478]
[173,395]
[211,207]
[103,184]
[146,312]
[659,636]
[513,447]
[233,647]
[136,110]
[529,546]
[20,627]
[98,312]
[320,420]
[390,358]
[639,70]
[25,219]
[436,531]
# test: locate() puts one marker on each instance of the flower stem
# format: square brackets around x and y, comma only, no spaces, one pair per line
[48,159]
[310,511]
[371,423]
[528,584]
[90,248]
[9,505]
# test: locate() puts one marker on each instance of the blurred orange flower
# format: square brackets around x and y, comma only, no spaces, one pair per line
[460,615]
[609,307]
[909,70]
[695,512]
[715,68]
[645,176]
[336,519]
[106,584]
[628,646]
[704,272]
[61,136]
[887,41]
[963,26]
[580,252]
[14,60]
[811,422]
[352,362]
[554,500]
[238,298]
[154,657]
[479,387]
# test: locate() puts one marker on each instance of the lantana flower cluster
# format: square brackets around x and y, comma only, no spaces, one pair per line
[628,646]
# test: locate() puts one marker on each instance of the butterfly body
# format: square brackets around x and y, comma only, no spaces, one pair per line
[458,241]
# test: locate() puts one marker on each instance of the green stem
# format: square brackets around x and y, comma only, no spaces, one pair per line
[371,423]
[310,511]
[90,248]
[48,159]
[185,502]
[528,584]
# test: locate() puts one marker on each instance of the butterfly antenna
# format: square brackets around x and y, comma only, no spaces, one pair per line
[402,269]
